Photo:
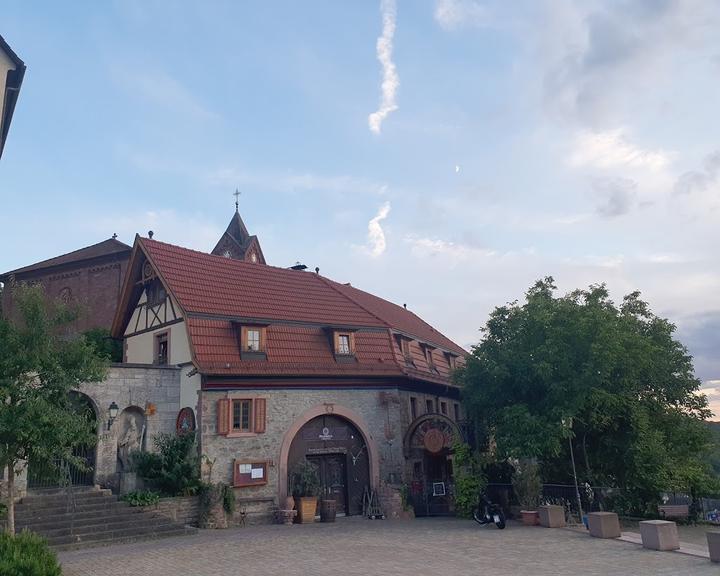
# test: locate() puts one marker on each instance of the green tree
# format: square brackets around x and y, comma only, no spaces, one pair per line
[615,372]
[105,345]
[40,363]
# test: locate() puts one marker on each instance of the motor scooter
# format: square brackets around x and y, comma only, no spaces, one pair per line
[487,512]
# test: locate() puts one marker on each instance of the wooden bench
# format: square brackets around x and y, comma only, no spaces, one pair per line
[674,511]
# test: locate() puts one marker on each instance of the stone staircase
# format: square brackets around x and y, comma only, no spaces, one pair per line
[81,517]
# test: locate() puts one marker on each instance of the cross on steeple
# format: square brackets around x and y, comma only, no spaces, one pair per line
[237,198]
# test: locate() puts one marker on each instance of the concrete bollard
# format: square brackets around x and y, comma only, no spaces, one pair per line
[604,525]
[552,516]
[713,540]
[659,535]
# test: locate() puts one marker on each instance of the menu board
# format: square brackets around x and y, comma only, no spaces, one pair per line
[249,473]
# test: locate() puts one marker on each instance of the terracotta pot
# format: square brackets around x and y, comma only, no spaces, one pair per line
[306,507]
[289,503]
[530,517]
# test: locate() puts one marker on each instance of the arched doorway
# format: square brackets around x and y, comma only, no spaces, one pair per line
[339,451]
[43,474]
[428,452]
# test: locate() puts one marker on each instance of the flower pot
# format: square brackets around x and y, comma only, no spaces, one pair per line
[285,516]
[530,517]
[289,503]
[306,506]
[328,509]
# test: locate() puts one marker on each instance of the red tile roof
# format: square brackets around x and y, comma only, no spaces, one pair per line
[216,293]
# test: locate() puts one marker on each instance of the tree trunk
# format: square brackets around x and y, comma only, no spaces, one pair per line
[588,471]
[11,500]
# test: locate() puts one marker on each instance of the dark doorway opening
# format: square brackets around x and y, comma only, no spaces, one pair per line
[332,469]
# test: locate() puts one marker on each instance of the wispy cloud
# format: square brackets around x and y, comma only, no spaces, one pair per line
[616,196]
[390,81]
[611,149]
[376,243]
[452,14]
[435,247]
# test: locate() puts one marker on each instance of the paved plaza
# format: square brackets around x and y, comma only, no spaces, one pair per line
[355,546]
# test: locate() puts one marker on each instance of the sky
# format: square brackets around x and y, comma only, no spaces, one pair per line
[443,154]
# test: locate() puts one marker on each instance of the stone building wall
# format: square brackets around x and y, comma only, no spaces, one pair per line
[153,391]
[385,412]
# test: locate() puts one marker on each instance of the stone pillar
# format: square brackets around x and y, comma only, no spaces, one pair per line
[659,535]
[604,525]
[552,516]
[713,540]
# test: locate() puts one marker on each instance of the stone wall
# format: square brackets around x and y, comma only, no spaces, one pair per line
[182,509]
[385,413]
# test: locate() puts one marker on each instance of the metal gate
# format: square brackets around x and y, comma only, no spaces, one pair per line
[61,473]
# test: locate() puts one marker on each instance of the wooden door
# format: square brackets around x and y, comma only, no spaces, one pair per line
[333,479]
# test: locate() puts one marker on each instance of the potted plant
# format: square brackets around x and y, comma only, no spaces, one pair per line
[527,487]
[305,489]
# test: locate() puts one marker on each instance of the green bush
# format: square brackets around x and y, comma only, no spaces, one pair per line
[142,498]
[468,478]
[305,479]
[174,469]
[27,555]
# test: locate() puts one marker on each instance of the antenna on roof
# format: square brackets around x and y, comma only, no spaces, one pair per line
[150,234]
[114,236]
[298,266]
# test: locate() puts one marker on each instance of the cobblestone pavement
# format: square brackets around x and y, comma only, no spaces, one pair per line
[355,546]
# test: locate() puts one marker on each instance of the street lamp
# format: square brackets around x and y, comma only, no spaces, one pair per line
[567,425]
[12,70]
[113,410]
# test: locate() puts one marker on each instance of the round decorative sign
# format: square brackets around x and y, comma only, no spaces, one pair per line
[434,440]
[185,421]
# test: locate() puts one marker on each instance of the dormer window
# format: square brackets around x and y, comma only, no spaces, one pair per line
[404,342]
[343,344]
[252,342]
[451,360]
[429,358]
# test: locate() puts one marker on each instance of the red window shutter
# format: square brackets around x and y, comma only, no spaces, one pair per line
[259,406]
[223,416]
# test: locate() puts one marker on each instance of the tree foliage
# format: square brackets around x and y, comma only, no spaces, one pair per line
[40,363]
[174,469]
[615,372]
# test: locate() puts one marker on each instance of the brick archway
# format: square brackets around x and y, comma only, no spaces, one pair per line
[304,418]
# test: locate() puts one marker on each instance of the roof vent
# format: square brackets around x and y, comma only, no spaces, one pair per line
[150,234]
[298,266]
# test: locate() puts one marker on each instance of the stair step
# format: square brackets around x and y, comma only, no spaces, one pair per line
[82,531]
[105,539]
[63,494]
[23,510]
[69,521]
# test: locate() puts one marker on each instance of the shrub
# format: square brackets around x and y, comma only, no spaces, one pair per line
[144,498]
[468,478]
[527,484]
[305,479]
[174,469]
[27,555]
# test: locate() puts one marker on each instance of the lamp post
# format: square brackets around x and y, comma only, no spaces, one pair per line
[113,410]
[567,425]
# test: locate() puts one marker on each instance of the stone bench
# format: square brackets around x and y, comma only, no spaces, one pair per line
[713,540]
[659,535]
[552,516]
[604,524]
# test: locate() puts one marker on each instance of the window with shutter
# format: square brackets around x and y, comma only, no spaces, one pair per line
[223,416]
[259,407]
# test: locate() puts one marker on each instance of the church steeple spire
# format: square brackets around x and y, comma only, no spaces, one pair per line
[236,242]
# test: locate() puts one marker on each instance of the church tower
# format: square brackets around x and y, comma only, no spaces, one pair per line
[237,243]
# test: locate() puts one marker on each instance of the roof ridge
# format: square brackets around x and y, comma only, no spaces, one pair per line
[219,257]
[48,260]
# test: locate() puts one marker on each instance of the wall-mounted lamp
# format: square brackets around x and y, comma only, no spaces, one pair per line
[114,409]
